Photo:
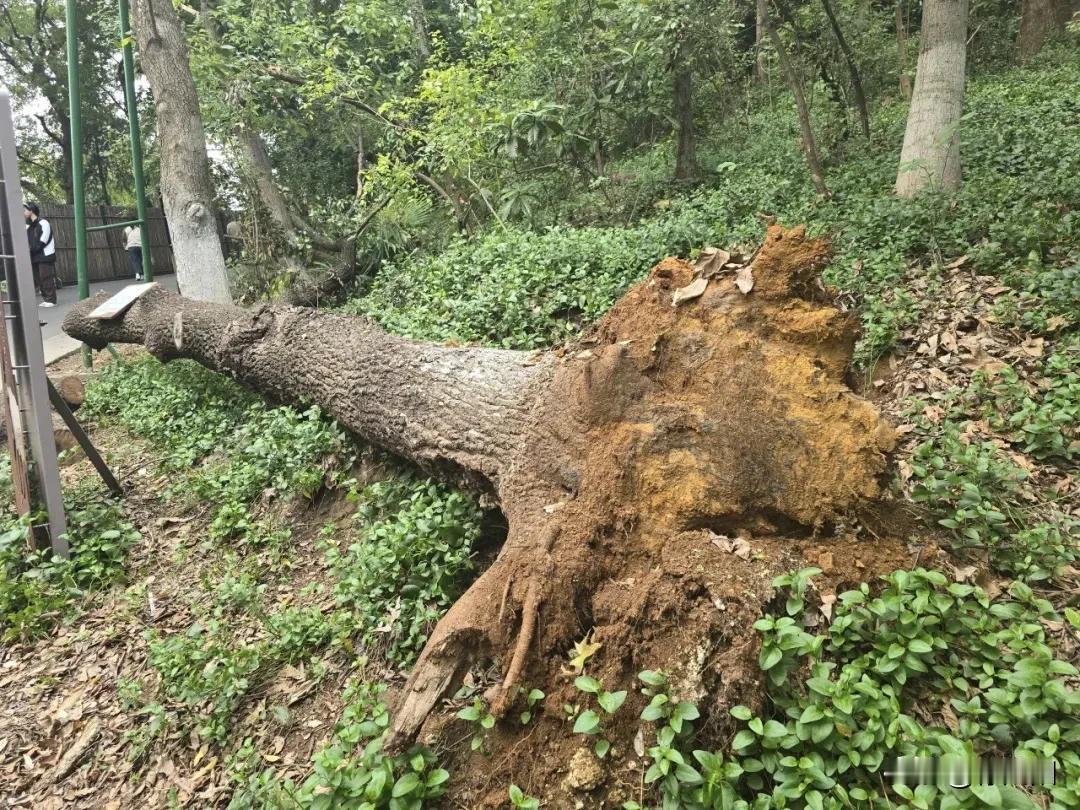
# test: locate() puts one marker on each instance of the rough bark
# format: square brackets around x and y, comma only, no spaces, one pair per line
[258,164]
[616,461]
[419,24]
[809,143]
[930,159]
[686,167]
[761,71]
[858,96]
[1038,20]
[187,191]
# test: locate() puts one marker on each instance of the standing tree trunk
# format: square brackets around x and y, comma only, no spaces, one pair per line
[1038,20]
[931,155]
[809,144]
[686,167]
[761,10]
[258,165]
[186,188]
[421,37]
[614,462]
[901,51]
[858,96]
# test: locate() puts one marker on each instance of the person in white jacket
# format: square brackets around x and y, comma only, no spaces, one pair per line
[39,233]
[133,242]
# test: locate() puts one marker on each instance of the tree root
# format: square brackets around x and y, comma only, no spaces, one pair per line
[530,613]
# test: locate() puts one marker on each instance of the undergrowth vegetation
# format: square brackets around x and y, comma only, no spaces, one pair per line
[923,667]
[919,664]
[38,589]
[522,288]
[384,578]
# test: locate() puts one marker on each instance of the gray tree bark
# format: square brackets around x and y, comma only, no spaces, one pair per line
[186,188]
[258,165]
[930,159]
[901,51]
[761,11]
[686,166]
[1038,20]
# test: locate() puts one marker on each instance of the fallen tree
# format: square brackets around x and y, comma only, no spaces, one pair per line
[708,403]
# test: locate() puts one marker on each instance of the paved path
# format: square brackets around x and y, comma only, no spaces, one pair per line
[58,345]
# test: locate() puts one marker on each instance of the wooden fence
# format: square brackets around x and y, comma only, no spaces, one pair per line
[106,257]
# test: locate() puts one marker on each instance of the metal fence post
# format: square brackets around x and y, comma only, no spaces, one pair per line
[77,190]
[30,382]
[136,139]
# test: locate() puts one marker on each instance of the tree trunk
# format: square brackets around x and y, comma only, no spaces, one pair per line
[931,155]
[901,51]
[258,164]
[1038,20]
[614,460]
[686,167]
[809,144]
[761,11]
[853,70]
[186,187]
[422,40]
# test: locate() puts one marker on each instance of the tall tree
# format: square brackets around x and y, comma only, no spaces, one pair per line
[791,74]
[858,96]
[686,165]
[186,187]
[761,9]
[931,155]
[1038,20]
[901,51]
[33,64]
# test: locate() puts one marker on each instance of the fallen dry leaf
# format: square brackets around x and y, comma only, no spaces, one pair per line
[827,602]
[710,262]
[692,290]
[744,280]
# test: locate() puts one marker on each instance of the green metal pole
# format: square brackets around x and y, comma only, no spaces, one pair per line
[136,139]
[75,116]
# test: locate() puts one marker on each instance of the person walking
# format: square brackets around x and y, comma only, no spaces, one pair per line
[39,233]
[133,241]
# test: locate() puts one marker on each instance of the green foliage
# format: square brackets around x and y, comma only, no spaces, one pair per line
[1040,420]
[927,667]
[977,492]
[296,632]
[241,448]
[590,722]
[532,698]
[206,671]
[522,802]
[352,772]
[408,565]
[38,589]
[482,719]
[183,408]
[522,288]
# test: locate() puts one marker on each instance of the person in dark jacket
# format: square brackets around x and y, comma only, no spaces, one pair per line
[39,233]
